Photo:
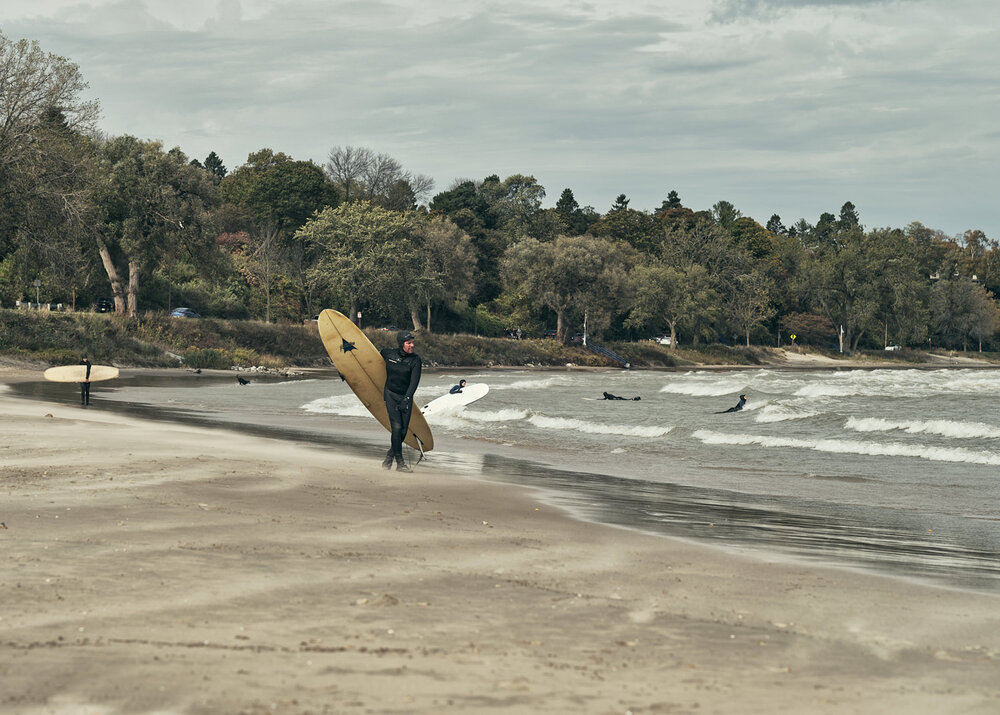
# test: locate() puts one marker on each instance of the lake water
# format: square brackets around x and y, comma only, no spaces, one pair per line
[896,471]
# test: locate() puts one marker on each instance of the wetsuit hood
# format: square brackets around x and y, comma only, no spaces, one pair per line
[401,337]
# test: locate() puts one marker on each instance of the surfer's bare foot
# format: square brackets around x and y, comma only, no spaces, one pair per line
[387,462]
[402,466]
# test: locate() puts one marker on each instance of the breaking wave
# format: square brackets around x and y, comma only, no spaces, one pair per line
[844,446]
[564,423]
[945,428]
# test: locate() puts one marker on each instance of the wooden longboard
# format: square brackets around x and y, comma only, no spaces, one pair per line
[362,367]
[455,401]
[78,373]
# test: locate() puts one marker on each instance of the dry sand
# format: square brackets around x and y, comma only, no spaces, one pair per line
[157,568]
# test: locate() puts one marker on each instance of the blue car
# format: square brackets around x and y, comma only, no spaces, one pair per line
[183,313]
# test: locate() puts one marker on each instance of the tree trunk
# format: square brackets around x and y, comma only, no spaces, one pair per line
[561,326]
[428,316]
[116,282]
[133,289]
[748,337]
[673,333]
[415,315]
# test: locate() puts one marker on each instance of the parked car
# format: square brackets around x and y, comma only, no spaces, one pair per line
[550,334]
[893,348]
[662,340]
[104,305]
[183,313]
[576,338]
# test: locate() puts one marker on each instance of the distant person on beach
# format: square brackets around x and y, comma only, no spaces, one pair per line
[457,388]
[735,408]
[609,396]
[85,385]
[402,375]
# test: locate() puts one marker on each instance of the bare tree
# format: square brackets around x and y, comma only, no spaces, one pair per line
[362,174]
[347,166]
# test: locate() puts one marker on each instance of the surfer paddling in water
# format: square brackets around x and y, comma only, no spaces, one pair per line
[457,388]
[402,375]
[735,408]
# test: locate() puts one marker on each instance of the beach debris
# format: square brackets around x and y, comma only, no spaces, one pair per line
[49,415]
[242,381]
[2,525]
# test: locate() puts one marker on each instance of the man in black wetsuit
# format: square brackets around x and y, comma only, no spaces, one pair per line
[402,375]
[85,385]
[457,388]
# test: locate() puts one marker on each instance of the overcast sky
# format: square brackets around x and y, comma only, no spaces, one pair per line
[778,106]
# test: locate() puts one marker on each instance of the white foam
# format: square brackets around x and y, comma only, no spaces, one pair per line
[565,423]
[843,446]
[533,383]
[782,412]
[507,415]
[716,386]
[945,428]
[343,405]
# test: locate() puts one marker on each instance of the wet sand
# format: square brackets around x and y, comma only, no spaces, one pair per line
[156,567]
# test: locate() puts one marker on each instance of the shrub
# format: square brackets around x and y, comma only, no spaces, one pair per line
[208,358]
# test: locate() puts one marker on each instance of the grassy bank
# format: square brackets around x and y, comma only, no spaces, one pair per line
[155,340]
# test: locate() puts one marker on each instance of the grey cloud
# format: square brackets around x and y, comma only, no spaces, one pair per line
[792,121]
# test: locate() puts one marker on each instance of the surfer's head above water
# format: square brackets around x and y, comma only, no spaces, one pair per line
[404,337]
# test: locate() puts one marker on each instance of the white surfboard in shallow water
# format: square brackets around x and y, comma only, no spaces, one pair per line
[452,402]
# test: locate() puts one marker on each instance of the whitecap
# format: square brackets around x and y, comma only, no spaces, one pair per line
[343,405]
[843,446]
[945,428]
[565,423]
[782,412]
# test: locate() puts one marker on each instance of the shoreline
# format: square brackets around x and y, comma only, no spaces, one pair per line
[207,571]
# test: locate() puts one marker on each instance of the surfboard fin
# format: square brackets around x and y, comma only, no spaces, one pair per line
[421,457]
[346,346]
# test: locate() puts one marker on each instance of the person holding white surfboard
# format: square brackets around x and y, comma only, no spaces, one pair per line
[457,388]
[402,375]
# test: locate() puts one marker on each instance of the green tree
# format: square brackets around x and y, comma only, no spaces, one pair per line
[754,238]
[863,281]
[667,296]
[775,226]
[363,251]
[279,190]
[673,201]
[151,204]
[280,193]
[213,165]
[575,219]
[571,275]
[636,228]
[513,202]
[725,214]
[443,267]
[46,159]
[962,310]
[750,302]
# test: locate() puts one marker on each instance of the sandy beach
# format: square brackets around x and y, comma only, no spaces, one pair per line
[161,568]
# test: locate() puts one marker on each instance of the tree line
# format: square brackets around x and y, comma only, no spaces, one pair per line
[88,215]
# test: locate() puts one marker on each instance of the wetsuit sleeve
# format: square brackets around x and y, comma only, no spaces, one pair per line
[414,377]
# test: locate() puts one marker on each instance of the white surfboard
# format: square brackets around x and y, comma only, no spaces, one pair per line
[78,373]
[452,402]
